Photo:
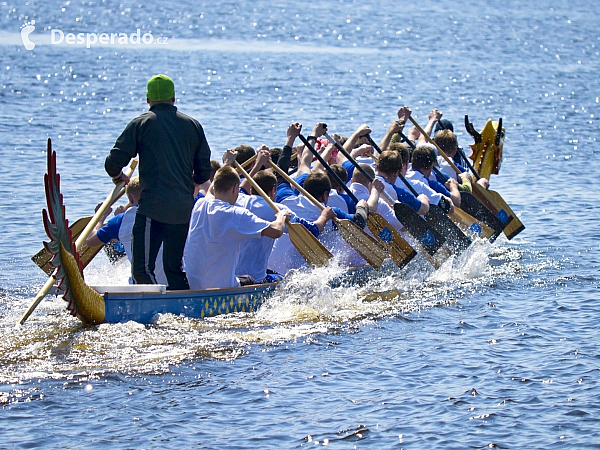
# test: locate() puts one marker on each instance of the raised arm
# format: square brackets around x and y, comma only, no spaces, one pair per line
[395,127]
[433,116]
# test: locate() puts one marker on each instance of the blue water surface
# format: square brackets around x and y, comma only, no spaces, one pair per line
[497,349]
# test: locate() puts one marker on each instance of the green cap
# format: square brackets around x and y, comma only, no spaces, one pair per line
[160,88]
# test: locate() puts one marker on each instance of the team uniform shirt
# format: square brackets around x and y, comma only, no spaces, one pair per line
[254,253]
[338,201]
[400,194]
[284,256]
[361,192]
[447,170]
[120,227]
[421,185]
[217,230]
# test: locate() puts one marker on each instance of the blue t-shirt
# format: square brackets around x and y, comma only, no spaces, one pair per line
[407,198]
[110,230]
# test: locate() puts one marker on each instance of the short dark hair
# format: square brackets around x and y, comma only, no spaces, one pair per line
[390,161]
[446,140]
[359,177]
[422,157]
[275,153]
[341,172]
[225,178]
[266,180]
[317,183]
[214,166]
[244,153]
[401,148]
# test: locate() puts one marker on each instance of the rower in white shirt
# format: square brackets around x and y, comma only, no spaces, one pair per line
[217,229]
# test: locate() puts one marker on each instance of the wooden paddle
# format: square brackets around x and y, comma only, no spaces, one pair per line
[429,242]
[365,245]
[311,249]
[470,205]
[491,199]
[457,241]
[466,221]
[80,241]
[400,250]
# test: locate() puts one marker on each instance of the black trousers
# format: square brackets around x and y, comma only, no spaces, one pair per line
[147,237]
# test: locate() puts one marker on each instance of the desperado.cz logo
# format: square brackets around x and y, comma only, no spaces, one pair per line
[57,36]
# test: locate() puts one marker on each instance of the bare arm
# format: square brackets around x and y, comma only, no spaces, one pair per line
[434,116]
[395,127]
[277,227]
[261,160]
[424,209]
[452,186]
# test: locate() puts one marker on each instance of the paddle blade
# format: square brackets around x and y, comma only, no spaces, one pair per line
[514,226]
[457,241]
[400,250]
[475,208]
[426,236]
[86,254]
[311,249]
[496,204]
[364,244]
[469,224]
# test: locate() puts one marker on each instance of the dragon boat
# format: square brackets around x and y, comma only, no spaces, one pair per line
[140,303]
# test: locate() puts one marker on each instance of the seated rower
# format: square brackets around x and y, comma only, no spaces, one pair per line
[362,189]
[284,256]
[120,227]
[254,253]
[423,160]
[217,229]
[447,141]
[389,166]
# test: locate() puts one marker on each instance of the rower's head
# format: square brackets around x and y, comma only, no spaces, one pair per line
[318,185]
[226,184]
[267,181]
[342,174]
[160,89]
[244,153]
[214,166]
[405,153]
[423,159]
[446,125]
[358,176]
[389,163]
[133,190]
[446,140]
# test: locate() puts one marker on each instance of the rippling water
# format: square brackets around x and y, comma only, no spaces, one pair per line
[495,348]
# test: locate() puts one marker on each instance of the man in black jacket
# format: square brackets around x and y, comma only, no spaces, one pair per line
[174,156]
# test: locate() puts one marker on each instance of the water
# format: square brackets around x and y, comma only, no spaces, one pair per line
[497,348]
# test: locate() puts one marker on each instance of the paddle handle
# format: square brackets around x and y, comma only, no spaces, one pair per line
[296,185]
[431,141]
[329,169]
[108,202]
[256,187]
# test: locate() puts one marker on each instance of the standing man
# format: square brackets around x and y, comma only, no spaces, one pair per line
[174,156]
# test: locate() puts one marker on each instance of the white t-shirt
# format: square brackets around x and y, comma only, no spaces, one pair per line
[254,253]
[216,232]
[420,184]
[126,238]
[383,208]
[284,256]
